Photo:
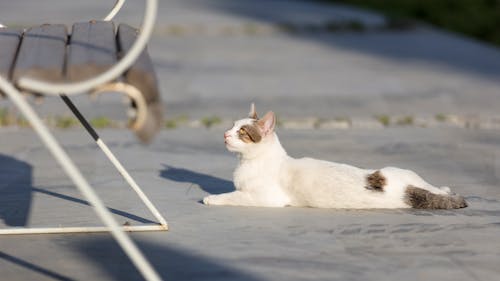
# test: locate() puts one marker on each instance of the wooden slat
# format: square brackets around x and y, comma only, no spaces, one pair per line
[42,53]
[92,50]
[9,42]
[142,75]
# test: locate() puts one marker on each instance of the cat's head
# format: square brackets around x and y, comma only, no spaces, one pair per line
[251,132]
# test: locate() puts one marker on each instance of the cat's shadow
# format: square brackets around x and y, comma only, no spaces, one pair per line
[208,183]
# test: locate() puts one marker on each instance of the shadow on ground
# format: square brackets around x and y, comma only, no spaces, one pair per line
[15,261]
[16,194]
[15,191]
[208,183]
[171,263]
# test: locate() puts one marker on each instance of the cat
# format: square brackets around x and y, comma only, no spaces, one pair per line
[267,177]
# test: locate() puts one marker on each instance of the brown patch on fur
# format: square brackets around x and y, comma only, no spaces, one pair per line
[249,133]
[420,198]
[376,181]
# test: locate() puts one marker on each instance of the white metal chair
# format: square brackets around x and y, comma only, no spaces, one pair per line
[149,111]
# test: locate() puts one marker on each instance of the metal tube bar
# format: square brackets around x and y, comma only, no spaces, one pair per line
[78,229]
[128,178]
[81,183]
[114,11]
[134,94]
[80,117]
[131,182]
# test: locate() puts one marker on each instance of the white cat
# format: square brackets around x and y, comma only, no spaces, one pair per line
[266,176]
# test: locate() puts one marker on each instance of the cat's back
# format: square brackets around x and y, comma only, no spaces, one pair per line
[314,166]
[319,183]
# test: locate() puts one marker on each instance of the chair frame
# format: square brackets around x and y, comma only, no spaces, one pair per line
[64,90]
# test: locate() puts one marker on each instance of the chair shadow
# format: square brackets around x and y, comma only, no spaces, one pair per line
[171,263]
[208,183]
[15,191]
[36,268]
[83,202]
[16,194]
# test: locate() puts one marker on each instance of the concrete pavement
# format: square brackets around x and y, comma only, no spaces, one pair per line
[231,243]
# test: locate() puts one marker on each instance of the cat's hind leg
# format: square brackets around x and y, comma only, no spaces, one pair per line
[406,178]
[446,189]
[406,187]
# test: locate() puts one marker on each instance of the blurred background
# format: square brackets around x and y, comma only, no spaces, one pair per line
[476,19]
[339,63]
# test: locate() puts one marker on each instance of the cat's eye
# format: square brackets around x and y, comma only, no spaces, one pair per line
[241,131]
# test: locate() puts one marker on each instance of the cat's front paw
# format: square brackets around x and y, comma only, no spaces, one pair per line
[210,200]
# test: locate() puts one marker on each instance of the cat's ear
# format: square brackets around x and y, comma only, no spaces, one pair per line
[253,114]
[267,123]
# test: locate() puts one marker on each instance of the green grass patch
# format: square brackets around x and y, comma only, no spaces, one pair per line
[479,19]
[64,122]
[383,119]
[176,30]
[176,122]
[101,122]
[5,117]
[22,122]
[342,119]
[250,29]
[171,124]
[211,121]
[405,121]
[441,117]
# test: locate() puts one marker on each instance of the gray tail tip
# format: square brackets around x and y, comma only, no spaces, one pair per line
[460,202]
[419,198]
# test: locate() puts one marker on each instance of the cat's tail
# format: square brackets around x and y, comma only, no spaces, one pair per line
[420,198]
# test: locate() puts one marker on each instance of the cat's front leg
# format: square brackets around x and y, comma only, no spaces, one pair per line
[235,198]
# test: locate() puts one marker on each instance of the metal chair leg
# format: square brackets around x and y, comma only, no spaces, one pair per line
[128,178]
[81,183]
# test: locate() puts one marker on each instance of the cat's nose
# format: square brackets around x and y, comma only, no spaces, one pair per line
[226,135]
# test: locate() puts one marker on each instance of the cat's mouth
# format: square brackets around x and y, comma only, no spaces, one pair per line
[229,146]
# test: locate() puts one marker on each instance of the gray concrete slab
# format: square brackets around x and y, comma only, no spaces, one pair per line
[230,243]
